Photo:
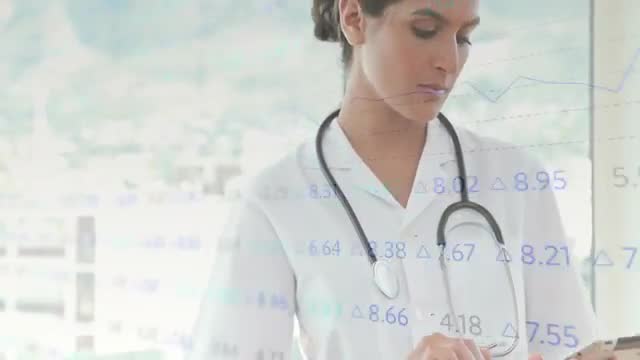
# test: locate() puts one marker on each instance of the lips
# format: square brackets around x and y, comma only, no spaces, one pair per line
[435,89]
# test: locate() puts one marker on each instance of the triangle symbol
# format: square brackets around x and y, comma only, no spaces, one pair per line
[499,186]
[356,313]
[420,188]
[503,256]
[423,253]
[602,262]
[509,331]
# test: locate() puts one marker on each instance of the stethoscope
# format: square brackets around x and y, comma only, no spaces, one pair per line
[383,275]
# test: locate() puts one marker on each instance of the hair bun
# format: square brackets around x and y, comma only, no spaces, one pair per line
[326,17]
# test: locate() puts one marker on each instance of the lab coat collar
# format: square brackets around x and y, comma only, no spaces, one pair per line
[437,160]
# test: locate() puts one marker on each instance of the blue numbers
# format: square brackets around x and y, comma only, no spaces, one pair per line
[552,334]
[569,335]
[543,181]
[327,248]
[394,249]
[555,251]
[459,255]
[438,185]
[633,251]
[550,255]
[560,180]
[335,249]
[279,302]
[543,178]
[400,250]
[602,259]
[373,246]
[389,316]
[474,184]
[388,253]
[527,255]
[373,313]
[520,180]
[532,333]
[550,261]
[321,192]
[186,242]
[313,191]
[457,185]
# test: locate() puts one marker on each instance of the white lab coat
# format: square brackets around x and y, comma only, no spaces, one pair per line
[291,251]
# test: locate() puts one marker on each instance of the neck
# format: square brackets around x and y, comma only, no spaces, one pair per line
[372,125]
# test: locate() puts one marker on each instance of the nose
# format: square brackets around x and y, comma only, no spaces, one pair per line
[446,57]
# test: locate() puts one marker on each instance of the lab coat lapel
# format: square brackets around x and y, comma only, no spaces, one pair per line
[350,172]
[361,175]
[437,158]
[353,171]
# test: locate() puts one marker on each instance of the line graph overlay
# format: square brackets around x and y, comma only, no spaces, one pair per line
[616,89]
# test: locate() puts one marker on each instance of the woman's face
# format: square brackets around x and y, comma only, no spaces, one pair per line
[414,46]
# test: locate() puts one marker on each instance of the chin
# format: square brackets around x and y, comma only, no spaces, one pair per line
[421,113]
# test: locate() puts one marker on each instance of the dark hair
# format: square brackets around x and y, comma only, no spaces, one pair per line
[326,17]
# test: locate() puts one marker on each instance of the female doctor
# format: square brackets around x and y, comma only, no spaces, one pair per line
[345,233]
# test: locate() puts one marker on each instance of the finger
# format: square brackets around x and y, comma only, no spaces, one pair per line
[463,352]
[486,353]
[427,341]
[535,357]
[475,350]
[441,353]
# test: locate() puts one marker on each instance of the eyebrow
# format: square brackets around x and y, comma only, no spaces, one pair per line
[429,12]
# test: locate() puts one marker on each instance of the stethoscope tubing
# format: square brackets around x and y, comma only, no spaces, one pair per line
[464,203]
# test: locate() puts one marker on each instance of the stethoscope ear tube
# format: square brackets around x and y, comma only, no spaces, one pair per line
[460,205]
[334,185]
[383,274]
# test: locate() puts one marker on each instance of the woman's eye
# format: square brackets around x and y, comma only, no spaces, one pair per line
[462,40]
[425,34]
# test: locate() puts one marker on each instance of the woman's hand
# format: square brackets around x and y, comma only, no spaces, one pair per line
[440,347]
[609,355]
[605,355]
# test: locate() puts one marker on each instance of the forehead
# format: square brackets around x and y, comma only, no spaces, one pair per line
[455,11]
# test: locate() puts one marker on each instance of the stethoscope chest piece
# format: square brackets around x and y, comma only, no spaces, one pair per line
[385,279]
[384,276]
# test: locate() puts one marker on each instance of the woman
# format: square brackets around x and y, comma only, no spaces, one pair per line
[291,250]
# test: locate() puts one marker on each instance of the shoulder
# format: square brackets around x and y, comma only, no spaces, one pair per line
[507,174]
[275,181]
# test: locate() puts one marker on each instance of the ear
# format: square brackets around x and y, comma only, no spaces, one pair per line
[352,21]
